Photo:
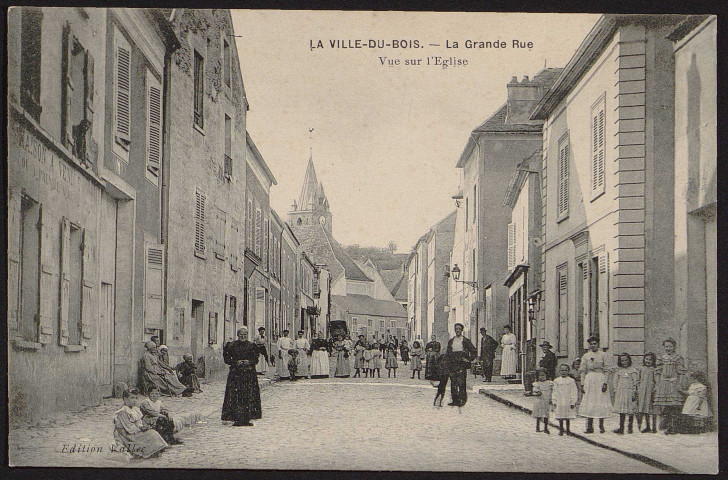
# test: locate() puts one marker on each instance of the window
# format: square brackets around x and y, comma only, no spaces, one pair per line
[369,322]
[511,245]
[597,164]
[226,65]
[77,96]
[563,174]
[381,324]
[212,331]
[234,245]
[249,224]
[29,268]
[355,320]
[200,222]
[122,95]
[475,203]
[562,309]
[199,89]
[154,124]
[31,21]
[220,227]
[257,232]
[154,287]
[228,168]
[75,286]
[467,214]
[264,241]
[392,323]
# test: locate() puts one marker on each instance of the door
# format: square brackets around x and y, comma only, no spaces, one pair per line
[105,332]
[259,310]
[198,328]
[582,316]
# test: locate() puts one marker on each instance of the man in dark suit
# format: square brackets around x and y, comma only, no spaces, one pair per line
[488,345]
[460,352]
[548,362]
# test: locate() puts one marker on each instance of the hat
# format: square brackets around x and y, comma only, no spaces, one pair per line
[546,344]
[461,325]
[150,344]
[163,347]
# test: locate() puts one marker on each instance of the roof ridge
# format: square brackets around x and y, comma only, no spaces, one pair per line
[343,270]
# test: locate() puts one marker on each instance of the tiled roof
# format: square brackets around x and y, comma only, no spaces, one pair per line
[323,248]
[400,291]
[365,305]
[391,278]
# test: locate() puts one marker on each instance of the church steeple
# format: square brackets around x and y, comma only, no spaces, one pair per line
[312,207]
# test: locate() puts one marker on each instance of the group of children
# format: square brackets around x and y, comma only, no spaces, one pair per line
[369,359]
[659,387]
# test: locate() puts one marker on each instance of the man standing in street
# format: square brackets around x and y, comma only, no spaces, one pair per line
[460,352]
[488,345]
[548,362]
[242,393]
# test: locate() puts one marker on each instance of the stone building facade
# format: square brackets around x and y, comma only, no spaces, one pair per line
[83,200]
[696,196]
[204,197]
[608,190]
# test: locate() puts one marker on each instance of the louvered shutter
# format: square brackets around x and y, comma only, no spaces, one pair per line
[200,222]
[597,167]
[14,212]
[65,283]
[92,151]
[154,286]
[212,332]
[265,244]
[563,194]
[154,123]
[600,160]
[257,231]
[603,298]
[45,294]
[68,87]
[563,310]
[87,283]
[511,245]
[249,225]
[122,94]
[595,150]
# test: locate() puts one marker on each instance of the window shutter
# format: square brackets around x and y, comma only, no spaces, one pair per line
[45,294]
[14,212]
[257,231]
[563,194]
[87,282]
[154,123]
[600,166]
[212,332]
[91,152]
[68,87]
[265,243]
[511,245]
[65,284]
[199,222]
[154,286]
[122,100]
[563,310]
[234,245]
[249,225]
[604,298]
[597,167]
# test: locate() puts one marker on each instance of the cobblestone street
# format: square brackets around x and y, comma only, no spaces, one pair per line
[360,424]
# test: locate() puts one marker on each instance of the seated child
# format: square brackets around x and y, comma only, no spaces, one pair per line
[696,414]
[131,433]
[292,366]
[187,372]
[157,416]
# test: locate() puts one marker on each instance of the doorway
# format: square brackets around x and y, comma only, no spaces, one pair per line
[198,328]
[105,344]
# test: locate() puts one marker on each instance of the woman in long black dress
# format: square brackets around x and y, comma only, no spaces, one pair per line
[242,393]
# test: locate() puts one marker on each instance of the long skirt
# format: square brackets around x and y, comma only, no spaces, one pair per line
[509,361]
[391,361]
[595,403]
[405,355]
[242,395]
[143,444]
[416,362]
[623,402]
[262,365]
[430,373]
[343,369]
[282,365]
[168,384]
[191,380]
[302,362]
[359,361]
[320,364]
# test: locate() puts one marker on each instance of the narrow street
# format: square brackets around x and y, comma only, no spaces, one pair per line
[340,424]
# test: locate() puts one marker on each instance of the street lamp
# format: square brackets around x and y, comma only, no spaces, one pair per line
[456,277]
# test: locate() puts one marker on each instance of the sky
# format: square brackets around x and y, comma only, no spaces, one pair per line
[386,138]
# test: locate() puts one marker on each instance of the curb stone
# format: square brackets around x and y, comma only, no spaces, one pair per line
[636,456]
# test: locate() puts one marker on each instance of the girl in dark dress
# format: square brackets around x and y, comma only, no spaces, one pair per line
[404,351]
[242,393]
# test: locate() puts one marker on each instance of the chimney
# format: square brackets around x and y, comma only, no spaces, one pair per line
[522,99]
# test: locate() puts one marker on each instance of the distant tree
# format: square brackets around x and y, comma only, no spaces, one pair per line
[392,246]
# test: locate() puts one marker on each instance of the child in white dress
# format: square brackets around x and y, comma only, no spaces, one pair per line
[564,398]
[543,389]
